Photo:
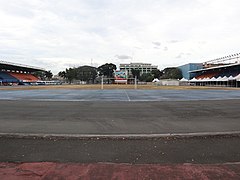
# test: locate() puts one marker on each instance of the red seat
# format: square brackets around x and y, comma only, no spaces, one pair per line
[25,77]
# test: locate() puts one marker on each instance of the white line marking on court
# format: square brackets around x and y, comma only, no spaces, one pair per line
[116,100]
[127,95]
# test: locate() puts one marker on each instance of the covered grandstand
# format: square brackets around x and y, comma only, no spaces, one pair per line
[17,74]
[223,71]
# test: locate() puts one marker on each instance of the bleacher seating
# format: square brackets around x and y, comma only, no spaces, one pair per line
[220,73]
[24,77]
[207,75]
[229,73]
[7,78]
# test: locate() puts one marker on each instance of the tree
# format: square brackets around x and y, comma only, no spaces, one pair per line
[171,73]
[146,77]
[156,73]
[40,74]
[48,75]
[44,75]
[71,74]
[86,73]
[136,73]
[107,70]
[62,74]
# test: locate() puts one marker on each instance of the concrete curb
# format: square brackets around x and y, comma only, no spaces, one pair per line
[200,135]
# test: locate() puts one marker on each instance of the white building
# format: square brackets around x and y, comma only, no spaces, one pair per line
[143,67]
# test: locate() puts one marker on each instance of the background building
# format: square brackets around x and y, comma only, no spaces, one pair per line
[223,71]
[143,67]
[190,67]
[12,73]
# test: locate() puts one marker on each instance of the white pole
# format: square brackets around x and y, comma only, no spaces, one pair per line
[102,83]
[135,83]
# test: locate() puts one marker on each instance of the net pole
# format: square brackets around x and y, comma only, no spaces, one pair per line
[102,83]
[135,82]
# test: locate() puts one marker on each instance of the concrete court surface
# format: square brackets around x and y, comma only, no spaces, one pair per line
[118,95]
[104,118]
[120,112]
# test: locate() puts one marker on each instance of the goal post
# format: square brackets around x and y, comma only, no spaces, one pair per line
[112,81]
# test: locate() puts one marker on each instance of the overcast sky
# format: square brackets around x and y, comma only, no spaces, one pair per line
[58,34]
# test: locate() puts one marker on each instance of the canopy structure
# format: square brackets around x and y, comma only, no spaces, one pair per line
[194,80]
[219,78]
[156,80]
[225,81]
[237,78]
[225,78]
[230,78]
[213,79]
[183,80]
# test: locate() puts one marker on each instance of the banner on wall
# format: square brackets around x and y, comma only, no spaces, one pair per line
[120,76]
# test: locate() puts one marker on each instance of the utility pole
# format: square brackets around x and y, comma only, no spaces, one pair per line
[102,82]
[135,82]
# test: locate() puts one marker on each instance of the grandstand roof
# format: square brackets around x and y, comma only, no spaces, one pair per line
[4,65]
[216,67]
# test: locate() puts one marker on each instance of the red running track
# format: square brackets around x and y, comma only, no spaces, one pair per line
[72,171]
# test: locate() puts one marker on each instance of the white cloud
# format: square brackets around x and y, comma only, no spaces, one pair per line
[123,57]
[60,33]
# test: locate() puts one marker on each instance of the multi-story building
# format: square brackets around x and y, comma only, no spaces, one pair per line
[190,67]
[143,67]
